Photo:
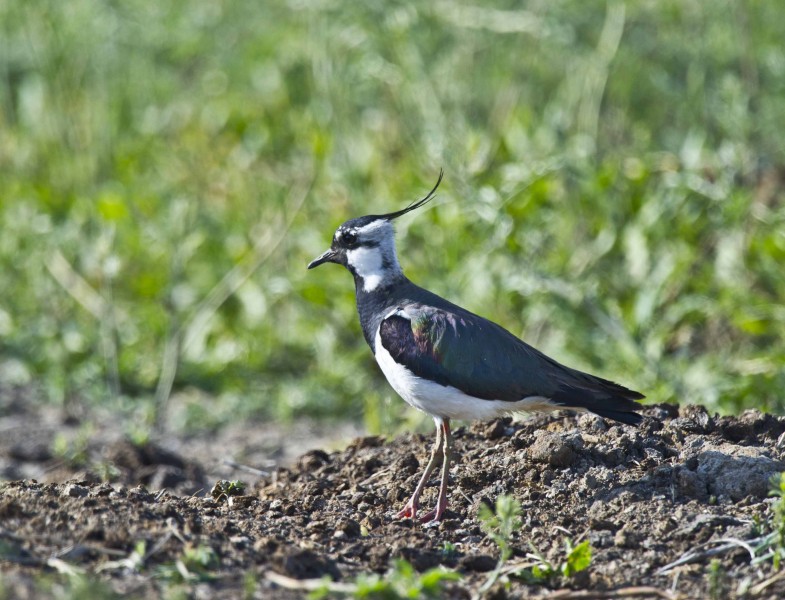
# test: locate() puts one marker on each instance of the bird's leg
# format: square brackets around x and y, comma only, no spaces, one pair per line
[436,514]
[410,510]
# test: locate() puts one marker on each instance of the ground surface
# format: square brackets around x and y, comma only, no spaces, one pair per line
[642,497]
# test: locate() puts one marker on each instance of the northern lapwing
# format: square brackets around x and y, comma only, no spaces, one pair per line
[449,362]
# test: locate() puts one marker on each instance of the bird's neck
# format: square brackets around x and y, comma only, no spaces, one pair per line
[375,302]
[374,267]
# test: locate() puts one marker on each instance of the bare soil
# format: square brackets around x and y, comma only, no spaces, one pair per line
[644,497]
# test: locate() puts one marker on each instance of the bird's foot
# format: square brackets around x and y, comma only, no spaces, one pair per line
[408,512]
[434,516]
[430,517]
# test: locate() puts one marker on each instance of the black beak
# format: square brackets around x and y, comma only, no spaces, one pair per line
[329,256]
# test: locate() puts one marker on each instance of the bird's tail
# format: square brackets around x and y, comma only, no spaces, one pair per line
[603,398]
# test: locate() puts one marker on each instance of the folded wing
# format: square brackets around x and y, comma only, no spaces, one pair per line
[460,349]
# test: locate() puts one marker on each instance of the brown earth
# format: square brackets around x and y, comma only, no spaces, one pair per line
[684,482]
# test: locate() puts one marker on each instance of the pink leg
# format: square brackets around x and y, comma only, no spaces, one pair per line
[435,515]
[410,510]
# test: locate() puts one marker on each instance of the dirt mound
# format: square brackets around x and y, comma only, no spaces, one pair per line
[682,482]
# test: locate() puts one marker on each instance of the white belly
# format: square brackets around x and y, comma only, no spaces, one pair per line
[446,401]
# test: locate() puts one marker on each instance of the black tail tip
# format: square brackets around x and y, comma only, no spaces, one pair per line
[628,418]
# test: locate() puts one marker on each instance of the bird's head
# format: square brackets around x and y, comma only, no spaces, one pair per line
[366,246]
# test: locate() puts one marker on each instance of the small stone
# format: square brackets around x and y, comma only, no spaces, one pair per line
[101,490]
[265,545]
[555,449]
[348,528]
[241,501]
[495,429]
[306,564]
[73,490]
[407,464]
[140,494]
[481,563]
[737,472]
[370,523]
[700,416]
[369,441]
[627,538]
[311,461]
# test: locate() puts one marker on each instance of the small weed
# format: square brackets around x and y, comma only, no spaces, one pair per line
[757,526]
[772,545]
[224,488]
[106,470]
[139,434]
[74,452]
[133,562]
[778,518]
[194,565]
[578,559]
[73,587]
[404,582]
[718,587]
[540,571]
[500,525]
[249,585]
[448,550]
[400,582]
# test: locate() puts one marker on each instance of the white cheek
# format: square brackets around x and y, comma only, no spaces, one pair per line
[367,263]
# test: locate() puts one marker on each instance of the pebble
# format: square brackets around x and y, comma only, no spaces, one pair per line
[481,563]
[73,490]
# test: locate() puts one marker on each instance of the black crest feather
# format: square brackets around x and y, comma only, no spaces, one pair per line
[416,204]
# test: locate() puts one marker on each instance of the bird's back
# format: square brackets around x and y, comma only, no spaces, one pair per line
[449,345]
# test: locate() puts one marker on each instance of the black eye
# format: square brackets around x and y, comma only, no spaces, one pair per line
[349,238]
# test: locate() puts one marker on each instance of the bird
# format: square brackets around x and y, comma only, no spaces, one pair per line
[449,362]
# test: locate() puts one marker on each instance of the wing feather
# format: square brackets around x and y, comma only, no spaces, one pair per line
[484,360]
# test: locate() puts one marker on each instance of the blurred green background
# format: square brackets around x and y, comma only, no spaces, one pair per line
[613,193]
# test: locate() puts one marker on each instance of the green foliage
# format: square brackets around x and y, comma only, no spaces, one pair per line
[578,558]
[74,451]
[541,570]
[195,564]
[72,587]
[399,583]
[224,488]
[612,194]
[402,581]
[501,523]
[718,580]
[772,545]
[249,586]
[448,550]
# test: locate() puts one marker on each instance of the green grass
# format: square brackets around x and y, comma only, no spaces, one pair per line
[613,194]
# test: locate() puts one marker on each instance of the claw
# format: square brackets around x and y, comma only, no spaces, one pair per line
[407,512]
[430,517]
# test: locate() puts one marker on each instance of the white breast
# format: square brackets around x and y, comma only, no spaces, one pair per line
[446,401]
